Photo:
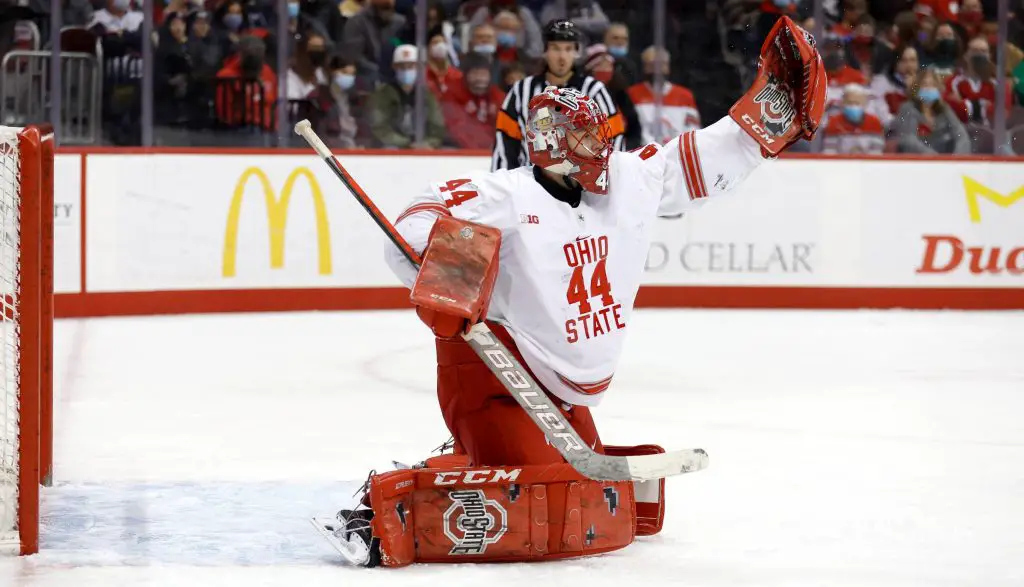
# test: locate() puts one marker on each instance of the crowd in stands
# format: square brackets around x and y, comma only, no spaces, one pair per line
[908,76]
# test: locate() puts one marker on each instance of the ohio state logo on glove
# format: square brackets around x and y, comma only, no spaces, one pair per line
[787,100]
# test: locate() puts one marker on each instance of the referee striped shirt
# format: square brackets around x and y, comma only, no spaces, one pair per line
[510,149]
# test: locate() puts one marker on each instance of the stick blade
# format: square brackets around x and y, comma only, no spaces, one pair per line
[659,466]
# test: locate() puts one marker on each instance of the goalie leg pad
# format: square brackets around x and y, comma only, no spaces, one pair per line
[649,495]
[526,513]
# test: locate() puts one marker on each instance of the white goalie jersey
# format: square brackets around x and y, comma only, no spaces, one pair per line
[568,276]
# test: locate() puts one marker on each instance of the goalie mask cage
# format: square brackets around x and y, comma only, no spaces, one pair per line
[26,287]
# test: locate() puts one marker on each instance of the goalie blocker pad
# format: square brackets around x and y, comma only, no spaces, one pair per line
[448,512]
[454,284]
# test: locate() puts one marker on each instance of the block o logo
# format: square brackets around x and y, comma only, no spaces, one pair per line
[473,522]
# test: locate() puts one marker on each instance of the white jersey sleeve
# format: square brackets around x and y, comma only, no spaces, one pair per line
[704,163]
[477,197]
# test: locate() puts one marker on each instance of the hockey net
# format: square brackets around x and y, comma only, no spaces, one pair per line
[26,286]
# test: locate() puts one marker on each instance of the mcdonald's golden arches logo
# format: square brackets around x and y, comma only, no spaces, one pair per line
[975,190]
[277,218]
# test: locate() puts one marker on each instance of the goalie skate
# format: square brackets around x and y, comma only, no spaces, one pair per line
[349,533]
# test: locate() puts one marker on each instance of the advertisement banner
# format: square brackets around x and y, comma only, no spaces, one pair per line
[949,225]
[165,222]
[67,215]
[198,222]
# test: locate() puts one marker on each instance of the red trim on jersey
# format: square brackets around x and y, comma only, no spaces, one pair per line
[587,388]
[691,165]
[424,207]
[686,171]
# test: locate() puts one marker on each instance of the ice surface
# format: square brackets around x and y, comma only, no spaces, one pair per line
[847,448]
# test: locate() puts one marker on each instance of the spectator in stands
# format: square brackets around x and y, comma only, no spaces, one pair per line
[483,40]
[972,91]
[204,50]
[368,38]
[247,87]
[119,20]
[510,74]
[441,75]
[471,107]
[925,123]
[938,10]
[840,74]
[324,18]
[585,14]
[232,25]
[343,79]
[600,64]
[392,105]
[863,48]
[853,131]
[942,50]
[77,12]
[853,10]
[892,86]
[508,31]
[616,38]
[678,108]
[971,18]
[533,43]
[306,72]
[173,70]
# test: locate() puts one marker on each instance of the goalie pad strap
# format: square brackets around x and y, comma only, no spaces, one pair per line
[527,513]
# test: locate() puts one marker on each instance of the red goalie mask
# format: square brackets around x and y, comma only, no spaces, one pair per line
[568,134]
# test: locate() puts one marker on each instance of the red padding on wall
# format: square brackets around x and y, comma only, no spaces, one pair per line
[389,298]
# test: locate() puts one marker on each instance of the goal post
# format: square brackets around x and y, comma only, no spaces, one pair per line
[26,332]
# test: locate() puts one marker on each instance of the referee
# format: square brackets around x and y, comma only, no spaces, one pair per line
[561,48]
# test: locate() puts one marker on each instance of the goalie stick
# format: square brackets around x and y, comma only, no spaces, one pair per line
[520,385]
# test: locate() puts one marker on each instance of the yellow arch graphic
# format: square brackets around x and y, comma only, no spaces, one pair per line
[277,219]
[975,189]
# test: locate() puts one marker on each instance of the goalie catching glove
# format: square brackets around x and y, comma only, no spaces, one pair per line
[787,100]
[454,284]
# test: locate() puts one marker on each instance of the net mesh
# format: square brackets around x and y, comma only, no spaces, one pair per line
[10,164]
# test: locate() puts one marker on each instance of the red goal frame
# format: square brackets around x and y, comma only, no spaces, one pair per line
[35,328]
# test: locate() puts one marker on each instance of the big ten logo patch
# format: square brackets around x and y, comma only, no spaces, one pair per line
[590,255]
[472,522]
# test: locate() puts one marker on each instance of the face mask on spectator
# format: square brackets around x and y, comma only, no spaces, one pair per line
[833,61]
[854,114]
[506,39]
[928,95]
[293,10]
[439,50]
[344,80]
[618,52]
[122,4]
[317,57]
[980,64]
[233,21]
[603,76]
[971,18]
[251,65]
[783,3]
[485,49]
[406,77]
[945,49]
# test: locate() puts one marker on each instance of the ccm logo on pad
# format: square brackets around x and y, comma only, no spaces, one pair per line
[479,476]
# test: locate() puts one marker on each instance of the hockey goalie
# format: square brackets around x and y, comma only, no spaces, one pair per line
[551,257]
